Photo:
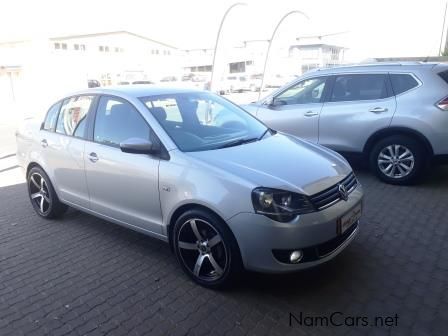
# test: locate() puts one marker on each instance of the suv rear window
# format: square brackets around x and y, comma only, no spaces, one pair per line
[444,75]
[402,83]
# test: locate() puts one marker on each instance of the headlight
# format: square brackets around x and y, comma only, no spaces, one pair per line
[280,205]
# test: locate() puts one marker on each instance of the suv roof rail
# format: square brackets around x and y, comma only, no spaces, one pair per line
[376,64]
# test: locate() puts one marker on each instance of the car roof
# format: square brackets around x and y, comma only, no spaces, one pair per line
[378,66]
[135,90]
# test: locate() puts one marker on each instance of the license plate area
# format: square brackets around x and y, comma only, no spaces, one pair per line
[350,218]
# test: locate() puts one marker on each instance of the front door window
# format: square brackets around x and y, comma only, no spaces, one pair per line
[307,91]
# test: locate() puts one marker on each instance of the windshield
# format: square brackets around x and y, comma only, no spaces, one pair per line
[198,121]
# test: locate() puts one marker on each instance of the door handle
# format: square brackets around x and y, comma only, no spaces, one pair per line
[44,143]
[378,109]
[93,157]
[310,114]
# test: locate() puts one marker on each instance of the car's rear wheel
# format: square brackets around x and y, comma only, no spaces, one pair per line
[206,249]
[398,160]
[42,195]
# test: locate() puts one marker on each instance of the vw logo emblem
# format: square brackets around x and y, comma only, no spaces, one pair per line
[343,192]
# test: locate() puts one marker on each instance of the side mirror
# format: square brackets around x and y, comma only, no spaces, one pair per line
[269,102]
[139,146]
[272,102]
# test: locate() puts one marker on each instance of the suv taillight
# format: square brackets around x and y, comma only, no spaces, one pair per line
[443,104]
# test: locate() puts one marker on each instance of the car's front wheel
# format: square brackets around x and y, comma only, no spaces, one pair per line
[42,195]
[206,249]
[397,160]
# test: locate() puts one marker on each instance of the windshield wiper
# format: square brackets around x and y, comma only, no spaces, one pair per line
[264,133]
[238,142]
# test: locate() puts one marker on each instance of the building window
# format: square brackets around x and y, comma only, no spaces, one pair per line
[237,67]
[57,45]
[101,48]
[106,49]
[249,62]
[64,46]
[76,46]
[82,47]
[117,49]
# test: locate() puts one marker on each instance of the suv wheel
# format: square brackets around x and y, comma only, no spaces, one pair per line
[397,160]
[206,249]
[42,195]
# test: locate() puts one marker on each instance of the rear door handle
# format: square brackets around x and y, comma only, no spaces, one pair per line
[93,157]
[310,114]
[44,143]
[378,109]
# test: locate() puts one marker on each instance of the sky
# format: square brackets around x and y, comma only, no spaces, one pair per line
[381,28]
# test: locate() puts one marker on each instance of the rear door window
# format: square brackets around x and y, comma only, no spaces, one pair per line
[402,83]
[52,116]
[72,118]
[359,87]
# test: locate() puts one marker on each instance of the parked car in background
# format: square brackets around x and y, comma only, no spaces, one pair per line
[237,83]
[195,81]
[394,115]
[253,82]
[142,82]
[223,86]
[225,196]
[93,83]
[277,81]
[169,79]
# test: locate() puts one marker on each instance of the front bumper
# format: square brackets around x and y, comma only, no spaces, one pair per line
[258,236]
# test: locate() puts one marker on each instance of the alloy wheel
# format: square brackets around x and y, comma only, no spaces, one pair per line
[39,192]
[202,250]
[396,161]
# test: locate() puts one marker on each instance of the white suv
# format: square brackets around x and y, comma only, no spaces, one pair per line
[394,115]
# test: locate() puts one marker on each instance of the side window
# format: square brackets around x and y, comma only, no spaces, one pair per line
[116,121]
[402,82]
[359,87]
[73,114]
[52,116]
[305,92]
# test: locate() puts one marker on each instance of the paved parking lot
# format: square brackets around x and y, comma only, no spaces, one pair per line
[84,276]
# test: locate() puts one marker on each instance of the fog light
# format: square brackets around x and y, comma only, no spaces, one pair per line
[295,256]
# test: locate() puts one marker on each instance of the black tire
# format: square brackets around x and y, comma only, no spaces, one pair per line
[416,161]
[43,199]
[190,251]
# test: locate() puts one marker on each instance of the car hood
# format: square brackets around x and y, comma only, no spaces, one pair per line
[280,161]
[251,108]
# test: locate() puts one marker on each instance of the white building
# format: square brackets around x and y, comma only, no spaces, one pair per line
[119,56]
[295,58]
[41,70]
[311,52]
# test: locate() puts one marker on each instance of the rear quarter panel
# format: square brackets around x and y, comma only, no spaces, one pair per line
[416,109]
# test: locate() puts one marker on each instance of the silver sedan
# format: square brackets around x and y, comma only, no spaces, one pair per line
[195,170]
